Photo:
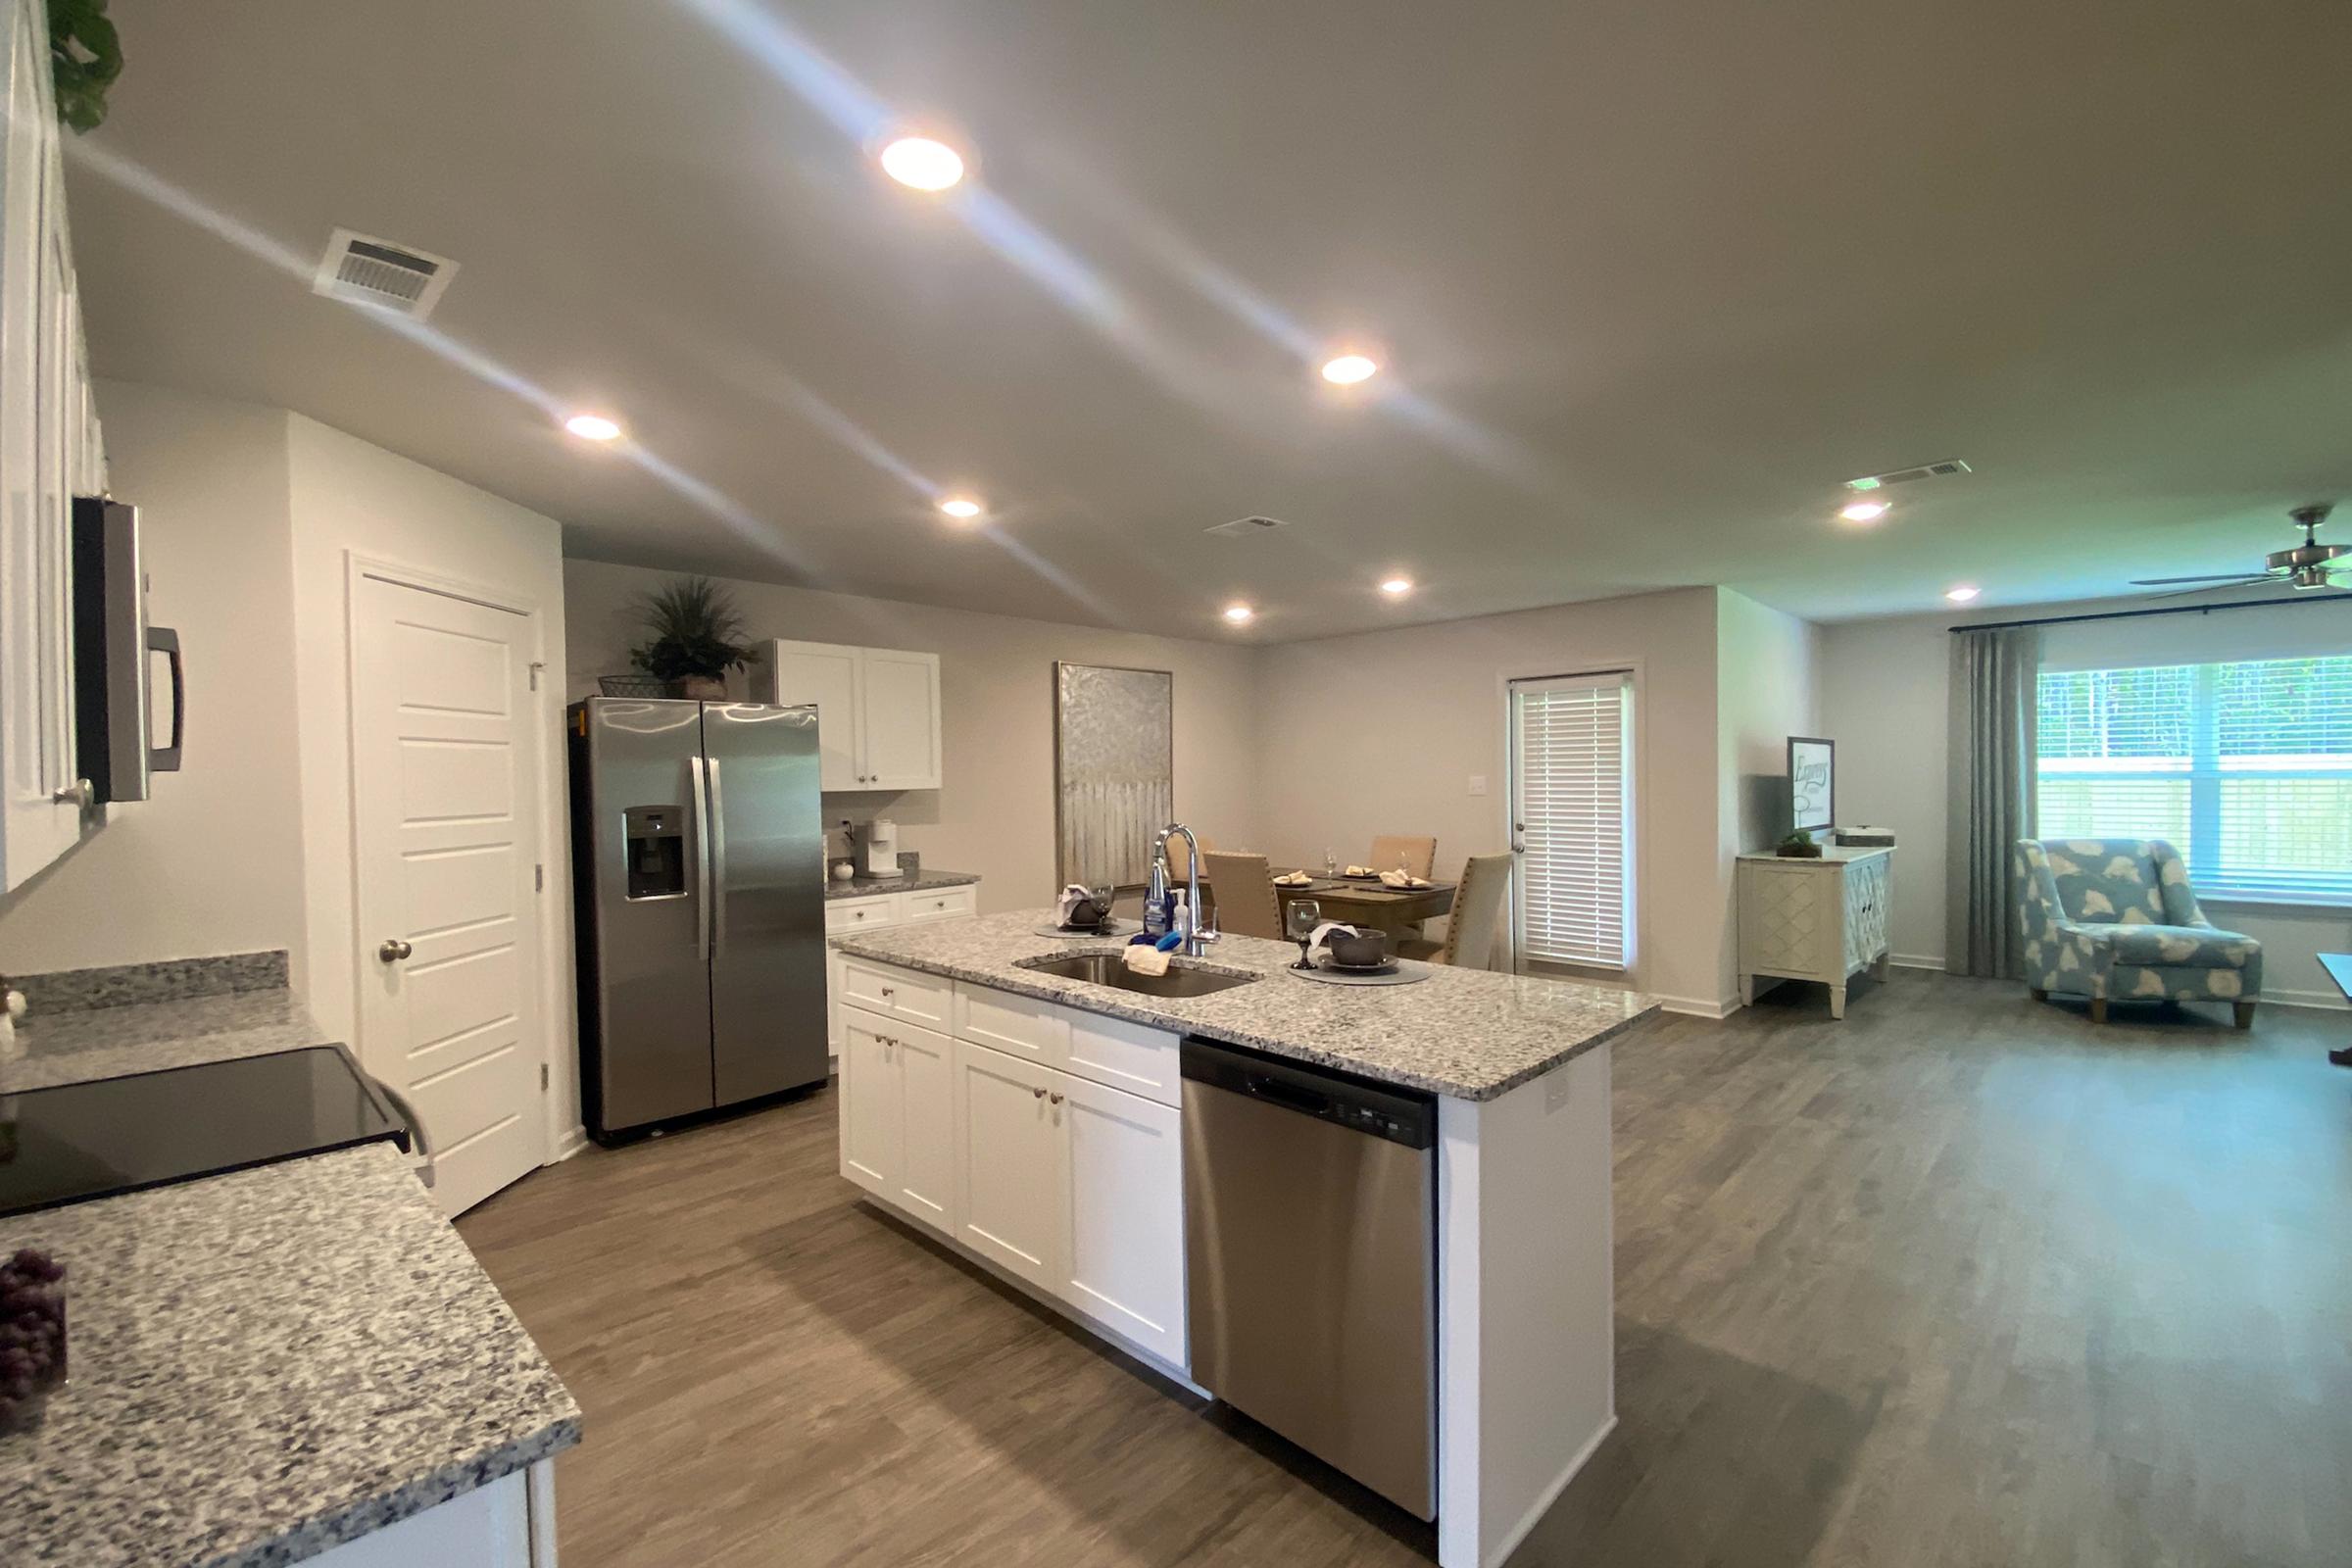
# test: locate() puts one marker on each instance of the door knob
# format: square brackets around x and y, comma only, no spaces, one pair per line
[78,793]
[394,949]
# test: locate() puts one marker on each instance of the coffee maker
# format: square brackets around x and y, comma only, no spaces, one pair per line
[874,848]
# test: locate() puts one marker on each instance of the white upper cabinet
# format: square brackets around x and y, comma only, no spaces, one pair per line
[49,451]
[877,711]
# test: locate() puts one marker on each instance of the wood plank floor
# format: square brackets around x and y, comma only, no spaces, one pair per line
[1964,1281]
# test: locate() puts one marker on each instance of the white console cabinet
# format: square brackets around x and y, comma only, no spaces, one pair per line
[877,711]
[1814,919]
[1043,1141]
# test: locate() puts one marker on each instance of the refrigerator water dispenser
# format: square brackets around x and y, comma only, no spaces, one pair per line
[656,836]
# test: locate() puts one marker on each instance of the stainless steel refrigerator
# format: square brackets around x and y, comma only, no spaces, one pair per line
[698,887]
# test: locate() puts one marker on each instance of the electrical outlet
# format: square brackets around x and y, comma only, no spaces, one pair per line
[1478,783]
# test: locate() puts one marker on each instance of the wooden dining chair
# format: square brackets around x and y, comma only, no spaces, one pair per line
[1477,911]
[1247,903]
[1417,856]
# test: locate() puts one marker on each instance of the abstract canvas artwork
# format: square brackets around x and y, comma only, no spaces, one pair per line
[1114,784]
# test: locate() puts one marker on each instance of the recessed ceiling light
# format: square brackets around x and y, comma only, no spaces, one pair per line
[1863,511]
[1396,587]
[960,507]
[1238,614]
[1349,368]
[1962,594]
[593,427]
[922,162]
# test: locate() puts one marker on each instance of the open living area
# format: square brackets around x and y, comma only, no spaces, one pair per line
[1174,787]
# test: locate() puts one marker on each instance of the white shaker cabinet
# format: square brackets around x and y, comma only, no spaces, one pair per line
[1125,1265]
[1013,1163]
[874,912]
[49,450]
[877,711]
[897,1115]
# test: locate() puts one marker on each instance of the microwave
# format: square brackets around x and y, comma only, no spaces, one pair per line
[114,698]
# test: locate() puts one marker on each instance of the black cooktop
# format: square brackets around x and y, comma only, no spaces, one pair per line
[118,1134]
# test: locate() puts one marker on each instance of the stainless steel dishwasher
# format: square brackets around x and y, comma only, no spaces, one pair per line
[1310,1246]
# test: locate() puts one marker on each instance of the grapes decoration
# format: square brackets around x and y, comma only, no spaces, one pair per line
[32,1331]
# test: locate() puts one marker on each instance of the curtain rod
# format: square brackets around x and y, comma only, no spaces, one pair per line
[2175,609]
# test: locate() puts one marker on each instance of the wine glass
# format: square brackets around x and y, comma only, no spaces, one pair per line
[1300,918]
[1331,862]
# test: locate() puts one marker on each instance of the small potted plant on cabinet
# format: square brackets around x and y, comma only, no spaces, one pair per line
[693,638]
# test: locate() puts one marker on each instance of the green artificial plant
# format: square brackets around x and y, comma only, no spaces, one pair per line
[693,631]
[84,57]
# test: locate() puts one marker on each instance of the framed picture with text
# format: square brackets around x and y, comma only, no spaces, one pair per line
[1812,783]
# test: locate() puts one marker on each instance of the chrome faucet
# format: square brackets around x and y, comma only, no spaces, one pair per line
[1195,940]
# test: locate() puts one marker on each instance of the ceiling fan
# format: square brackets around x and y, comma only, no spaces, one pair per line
[2307,565]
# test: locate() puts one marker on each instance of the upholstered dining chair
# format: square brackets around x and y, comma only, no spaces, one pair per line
[1247,903]
[1417,856]
[1477,914]
[2116,920]
[1180,858]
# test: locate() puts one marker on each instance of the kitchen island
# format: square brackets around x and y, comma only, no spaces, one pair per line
[1079,1195]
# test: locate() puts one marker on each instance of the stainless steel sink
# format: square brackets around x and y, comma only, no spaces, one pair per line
[1108,970]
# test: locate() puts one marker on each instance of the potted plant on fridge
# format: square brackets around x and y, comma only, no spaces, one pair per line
[693,636]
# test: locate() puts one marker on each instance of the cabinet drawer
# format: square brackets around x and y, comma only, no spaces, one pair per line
[1124,1055]
[1023,1026]
[939,903]
[895,993]
[862,914]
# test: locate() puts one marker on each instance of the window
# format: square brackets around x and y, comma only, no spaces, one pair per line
[1571,770]
[2246,767]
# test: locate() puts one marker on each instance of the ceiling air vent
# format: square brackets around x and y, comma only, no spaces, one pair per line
[1246,527]
[365,270]
[1925,471]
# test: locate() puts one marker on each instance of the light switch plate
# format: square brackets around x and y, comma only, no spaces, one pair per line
[1478,783]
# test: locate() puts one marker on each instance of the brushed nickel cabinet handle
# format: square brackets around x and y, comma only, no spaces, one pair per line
[1038,1093]
[393,950]
[1058,1099]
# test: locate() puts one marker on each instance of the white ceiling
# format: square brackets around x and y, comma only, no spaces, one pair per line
[1653,275]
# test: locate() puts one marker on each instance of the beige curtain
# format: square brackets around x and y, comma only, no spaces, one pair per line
[1992,807]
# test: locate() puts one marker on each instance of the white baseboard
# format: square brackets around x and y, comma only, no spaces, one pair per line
[1916,960]
[1696,1007]
[573,1140]
[1551,1494]
[2323,1000]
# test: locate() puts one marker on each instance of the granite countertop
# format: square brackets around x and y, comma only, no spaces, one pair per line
[265,1364]
[865,887]
[1468,1034]
[75,1047]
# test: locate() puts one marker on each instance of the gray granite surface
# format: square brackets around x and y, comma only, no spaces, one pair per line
[75,1047]
[1468,1034]
[172,980]
[265,1364]
[867,887]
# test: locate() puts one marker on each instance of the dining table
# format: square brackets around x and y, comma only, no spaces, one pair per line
[1369,901]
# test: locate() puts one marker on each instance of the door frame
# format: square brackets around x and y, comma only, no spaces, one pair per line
[1637,827]
[562,1132]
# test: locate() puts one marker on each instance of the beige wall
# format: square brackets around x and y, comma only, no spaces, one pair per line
[1884,696]
[214,862]
[994,813]
[351,498]
[1768,687]
[1380,732]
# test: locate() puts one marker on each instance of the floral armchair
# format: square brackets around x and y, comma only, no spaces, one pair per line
[2116,920]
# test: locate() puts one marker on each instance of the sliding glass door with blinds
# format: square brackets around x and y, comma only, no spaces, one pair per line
[1572,764]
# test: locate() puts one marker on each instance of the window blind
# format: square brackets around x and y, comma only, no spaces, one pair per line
[2245,767]
[1571,768]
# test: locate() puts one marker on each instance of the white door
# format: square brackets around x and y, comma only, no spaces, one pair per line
[1012,1173]
[926,1173]
[445,814]
[872,1116]
[1572,821]
[1126,1237]
[826,675]
[899,720]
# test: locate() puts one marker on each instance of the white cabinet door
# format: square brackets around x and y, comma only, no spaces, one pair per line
[899,720]
[1011,1163]
[926,1179]
[1126,1205]
[40,353]
[872,1117]
[828,676]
